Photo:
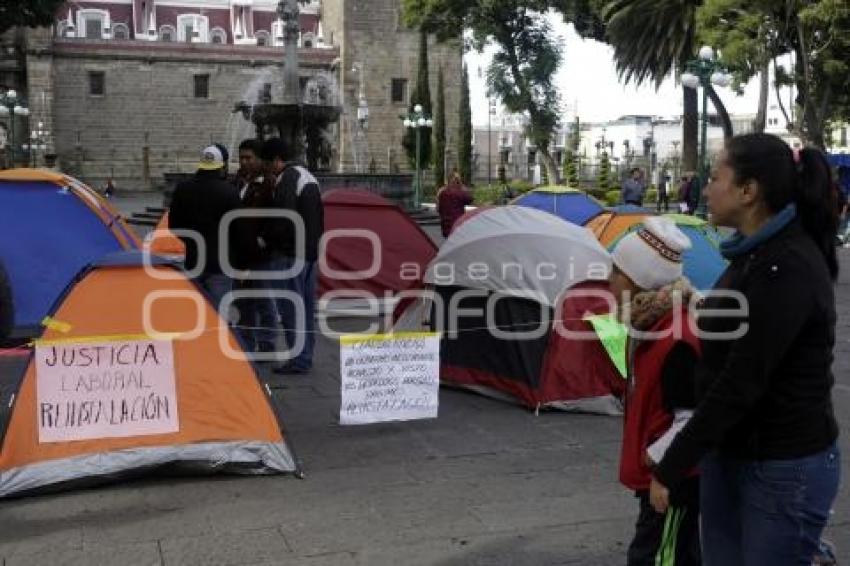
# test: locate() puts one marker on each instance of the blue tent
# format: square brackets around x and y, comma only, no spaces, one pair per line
[568,204]
[52,227]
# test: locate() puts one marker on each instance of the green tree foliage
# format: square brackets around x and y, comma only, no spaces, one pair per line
[661,43]
[565,166]
[571,169]
[745,36]
[603,179]
[571,173]
[30,13]
[587,16]
[527,57]
[464,138]
[816,33]
[421,95]
[440,132]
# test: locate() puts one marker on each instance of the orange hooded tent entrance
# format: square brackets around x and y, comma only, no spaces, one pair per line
[609,226]
[112,391]
[162,241]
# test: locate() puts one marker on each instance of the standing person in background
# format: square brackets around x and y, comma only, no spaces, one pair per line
[198,205]
[685,187]
[109,190]
[258,319]
[633,188]
[663,187]
[764,431]
[295,190]
[451,203]
[843,216]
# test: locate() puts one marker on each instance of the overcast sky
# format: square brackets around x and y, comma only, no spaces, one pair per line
[588,80]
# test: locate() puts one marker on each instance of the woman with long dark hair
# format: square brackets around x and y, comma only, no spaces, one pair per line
[764,432]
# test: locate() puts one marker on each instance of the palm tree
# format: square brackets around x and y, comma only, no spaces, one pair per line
[651,39]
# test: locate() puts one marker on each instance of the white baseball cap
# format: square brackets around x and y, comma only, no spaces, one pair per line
[211,159]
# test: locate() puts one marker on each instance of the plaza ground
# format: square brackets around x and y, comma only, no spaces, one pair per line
[486,483]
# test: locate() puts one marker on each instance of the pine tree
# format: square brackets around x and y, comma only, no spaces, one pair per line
[440,132]
[464,139]
[421,95]
[571,166]
[603,180]
[570,171]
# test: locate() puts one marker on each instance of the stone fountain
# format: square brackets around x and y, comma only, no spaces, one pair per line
[303,117]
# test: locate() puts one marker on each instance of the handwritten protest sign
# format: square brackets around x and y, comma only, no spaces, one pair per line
[389,377]
[106,389]
[612,333]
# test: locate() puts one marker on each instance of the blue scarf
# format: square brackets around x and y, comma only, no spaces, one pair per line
[738,244]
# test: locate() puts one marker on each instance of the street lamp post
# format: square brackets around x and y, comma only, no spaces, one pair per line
[704,71]
[418,120]
[10,106]
[362,118]
[38,142]
[491,111]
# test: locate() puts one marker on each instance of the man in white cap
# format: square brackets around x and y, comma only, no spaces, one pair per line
[198,205]
[647,281]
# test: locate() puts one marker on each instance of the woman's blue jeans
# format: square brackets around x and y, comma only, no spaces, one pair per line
[766,513]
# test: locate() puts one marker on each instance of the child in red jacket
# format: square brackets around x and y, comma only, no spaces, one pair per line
[662,353]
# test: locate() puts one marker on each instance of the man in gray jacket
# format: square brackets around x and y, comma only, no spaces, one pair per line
[634,188]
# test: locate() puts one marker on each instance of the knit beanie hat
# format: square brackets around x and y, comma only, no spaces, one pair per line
[652,256]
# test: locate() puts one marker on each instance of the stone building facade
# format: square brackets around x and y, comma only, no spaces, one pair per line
[133,89]
[378,52]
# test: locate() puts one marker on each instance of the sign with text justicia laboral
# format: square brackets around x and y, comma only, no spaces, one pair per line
[108,389]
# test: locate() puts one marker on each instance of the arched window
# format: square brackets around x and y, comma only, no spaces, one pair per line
[308,40]
[120,31]
[263,38]
[218,35]
[167,33]
[92,24]
[193,27]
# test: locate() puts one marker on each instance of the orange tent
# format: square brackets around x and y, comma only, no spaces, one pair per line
[136,372]
[611,224]
[163,242]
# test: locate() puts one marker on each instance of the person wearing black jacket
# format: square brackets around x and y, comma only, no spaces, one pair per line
[764,430]
[294,246]
[198,206]
[258,318]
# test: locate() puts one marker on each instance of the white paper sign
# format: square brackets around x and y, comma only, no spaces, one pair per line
[105,390]
[389,377]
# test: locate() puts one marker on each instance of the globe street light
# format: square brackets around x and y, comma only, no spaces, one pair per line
[11,106]
[704,71]
[418,120]
[38,142]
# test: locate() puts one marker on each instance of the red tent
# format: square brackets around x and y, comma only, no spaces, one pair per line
[523,338]
[404,250]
